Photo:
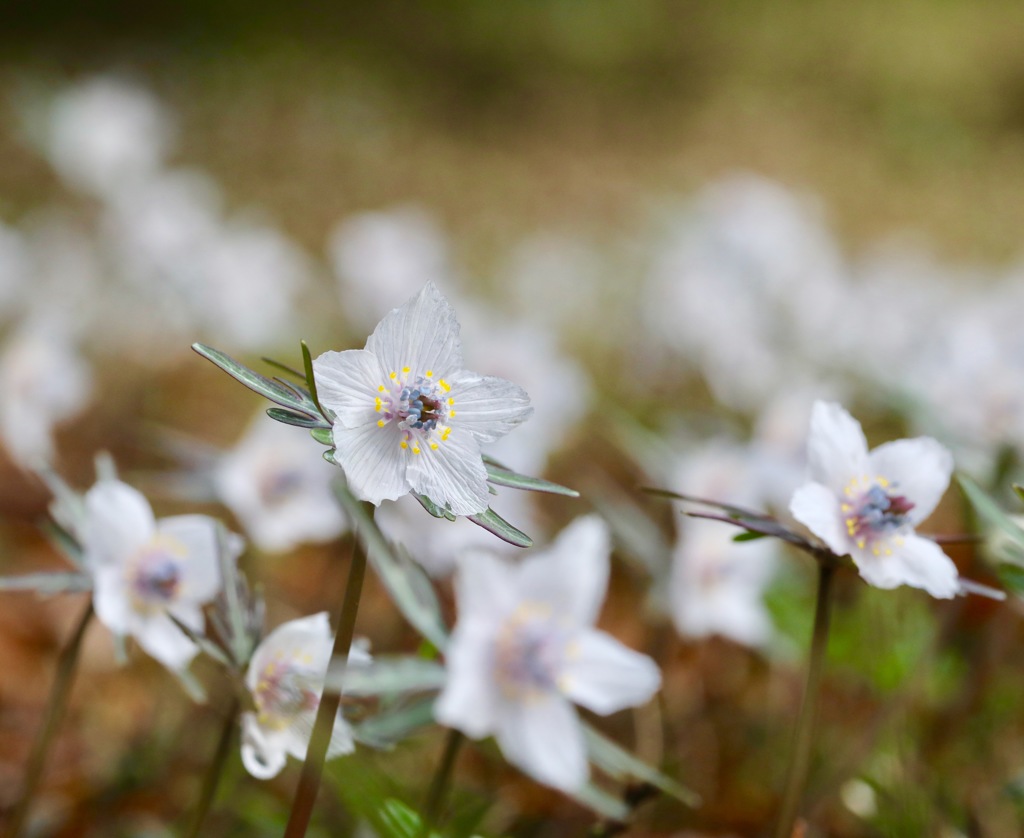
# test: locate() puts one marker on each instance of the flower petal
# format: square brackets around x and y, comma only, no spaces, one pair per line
[347,383]
[572,574]
[262,755]
[373,460]
[817,508]
[162,639]
[916,562]
[486,586]
[423,334]
[199,565]
[110,598]
[310,634]
[468,701]
[453,473]
[836,449]
[543,737]
[488,406]
[919,469]
[119,521]
[605,676]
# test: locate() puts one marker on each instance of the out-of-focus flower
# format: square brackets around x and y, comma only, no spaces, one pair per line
[15,267]
[146,571]
[408,416]
[525,648]
[717,586]
[383,256]
[867,504]
[286,679]
[278,486]
[44,381]
[105,134]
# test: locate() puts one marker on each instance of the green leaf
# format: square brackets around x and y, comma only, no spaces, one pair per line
[269,389]
[409,587]
[47,584]
[501,476]
[434,509]
[496,525]
[389,727]
[386,676]
[621,765]
[1019,490]
[1012,576]
[749,536]
[601,802]
[300,420]
[990,510]
[307,365]
[325,436]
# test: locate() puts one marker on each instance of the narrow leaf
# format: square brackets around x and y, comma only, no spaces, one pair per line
[405,580]
[307,365]
[501,476]
[601,802]
[260,384]
[729,508]
[621,765]
[283,367]
[300,420]
[434,509]
[386,676]
[990,510]
[47,584]
[749,536]
[388,728]
[325,436]
[496,525]
[1019,490]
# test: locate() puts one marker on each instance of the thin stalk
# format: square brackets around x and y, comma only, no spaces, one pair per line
[439,785]
[212,779]
[55,709]
[801,758]
[330,701]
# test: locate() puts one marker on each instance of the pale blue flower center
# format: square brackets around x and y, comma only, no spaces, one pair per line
[158,577]
[421,406]
[284,690]
[530,652]
[873,510]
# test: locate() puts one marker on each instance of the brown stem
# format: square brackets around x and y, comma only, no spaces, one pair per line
[439,785]
[800,761]
[330,701]
[212,778]
[55,709]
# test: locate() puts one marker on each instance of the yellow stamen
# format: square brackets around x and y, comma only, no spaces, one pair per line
[444,385]
[405,370]
[433,446]
[381,423]
[381,388]
[430,373]
[394,375]
[445,432]
[416,450]
[377,406]
[404,444]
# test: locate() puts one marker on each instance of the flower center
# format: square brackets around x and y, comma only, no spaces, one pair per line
[156,572]
[420,405]
[873,510]
[529,652]
[284,690]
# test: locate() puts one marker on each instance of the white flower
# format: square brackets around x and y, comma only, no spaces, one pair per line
[408,416]
[147,571]
[525,648]
[279,487]
[867,504]
[286,679]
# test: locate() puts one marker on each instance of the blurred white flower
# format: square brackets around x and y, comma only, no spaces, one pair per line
[15,268]
[146,571]
[44,381]
[867,504]
[279,487]
[286,679]
[436,543]
[384,256]
[105,134]
[408,416]
[716,586]
[525,648]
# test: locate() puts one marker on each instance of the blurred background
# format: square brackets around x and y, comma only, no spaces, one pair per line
[675,223]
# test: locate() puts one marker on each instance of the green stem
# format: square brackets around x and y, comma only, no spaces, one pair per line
[330,702]
[439,785]
[801,758]
[212,778]
[55,708]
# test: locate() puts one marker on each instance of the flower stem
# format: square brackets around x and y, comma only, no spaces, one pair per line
[439,785]
[55,708]
[212,778]
[800,760]
[330,701]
